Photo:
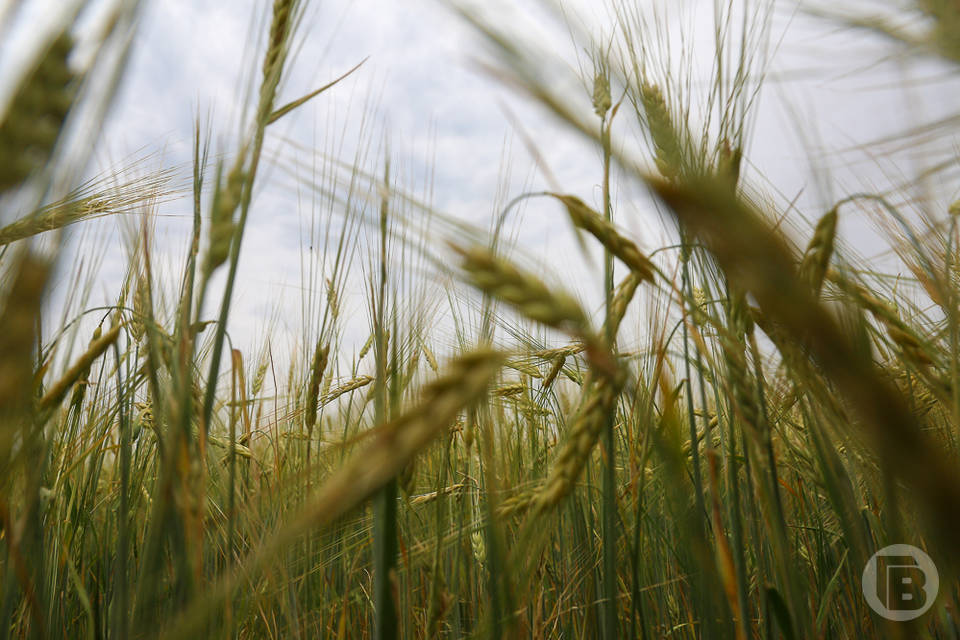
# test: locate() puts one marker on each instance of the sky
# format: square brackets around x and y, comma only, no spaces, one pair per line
[457,134]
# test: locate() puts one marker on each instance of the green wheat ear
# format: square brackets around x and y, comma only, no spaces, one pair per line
[32,125]
[666,141]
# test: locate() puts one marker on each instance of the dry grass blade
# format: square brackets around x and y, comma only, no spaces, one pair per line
[287,108]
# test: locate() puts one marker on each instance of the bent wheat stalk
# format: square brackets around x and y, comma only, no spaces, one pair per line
[759,261]
[79,369]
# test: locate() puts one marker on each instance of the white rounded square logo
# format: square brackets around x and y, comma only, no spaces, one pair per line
[900,582]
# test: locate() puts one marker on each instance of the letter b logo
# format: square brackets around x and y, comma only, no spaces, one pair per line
[900,582]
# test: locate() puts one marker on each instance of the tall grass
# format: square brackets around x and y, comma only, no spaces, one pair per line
[726,471]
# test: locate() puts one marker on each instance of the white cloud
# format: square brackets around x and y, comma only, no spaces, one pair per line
[446,118]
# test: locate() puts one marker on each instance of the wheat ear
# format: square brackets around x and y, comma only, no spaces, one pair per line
[663,133]
[621,299]
[813,268]
[317,367]
[601,399]
[351,385]
[527,294]
[18,323]
[79,369]
[32,124]
[555,370]
[602,392]
[618,244]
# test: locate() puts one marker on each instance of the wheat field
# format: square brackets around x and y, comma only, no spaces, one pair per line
[717,449]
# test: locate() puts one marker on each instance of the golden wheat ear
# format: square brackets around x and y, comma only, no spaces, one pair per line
[526,293]
[615,242]
[816,260]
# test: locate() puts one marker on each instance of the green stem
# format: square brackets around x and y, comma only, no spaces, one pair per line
[609,476]
[385,504]
[122,611]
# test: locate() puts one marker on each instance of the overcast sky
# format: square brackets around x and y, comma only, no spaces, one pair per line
[830,89]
